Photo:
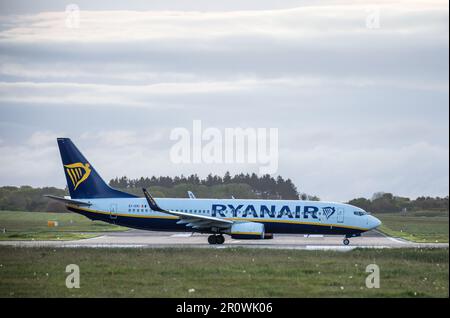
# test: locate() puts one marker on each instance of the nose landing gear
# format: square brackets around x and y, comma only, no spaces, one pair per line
[216,239]
[347,236]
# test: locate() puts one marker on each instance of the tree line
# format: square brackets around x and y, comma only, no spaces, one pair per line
[241,186]
[387,202]
[26,198]
[260,187]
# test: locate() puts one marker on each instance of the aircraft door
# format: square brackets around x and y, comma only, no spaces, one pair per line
[113,211]
[340,215]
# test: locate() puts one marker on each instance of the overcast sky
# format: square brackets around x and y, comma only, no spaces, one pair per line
[359,91]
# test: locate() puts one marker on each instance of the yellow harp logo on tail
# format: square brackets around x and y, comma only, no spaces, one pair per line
[78,173]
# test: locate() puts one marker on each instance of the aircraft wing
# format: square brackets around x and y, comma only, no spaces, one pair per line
[195,221]
[67,201]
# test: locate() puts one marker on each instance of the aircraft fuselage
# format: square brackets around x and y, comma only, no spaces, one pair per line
[278,216]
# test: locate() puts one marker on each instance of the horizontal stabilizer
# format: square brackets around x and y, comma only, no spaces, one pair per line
[67,201]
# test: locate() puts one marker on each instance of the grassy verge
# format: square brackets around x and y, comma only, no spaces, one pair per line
[40,272]
[416,226]
[33,226]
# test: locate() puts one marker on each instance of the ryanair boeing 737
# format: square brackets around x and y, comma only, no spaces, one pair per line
[241,219]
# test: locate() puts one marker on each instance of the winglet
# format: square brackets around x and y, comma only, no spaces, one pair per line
[151,202]
[191,195]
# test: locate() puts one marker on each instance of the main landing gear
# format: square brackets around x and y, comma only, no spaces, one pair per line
[216,239]
[346,241]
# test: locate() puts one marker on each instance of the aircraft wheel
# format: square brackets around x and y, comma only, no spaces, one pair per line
[220,239]
[212,239]
[346,241]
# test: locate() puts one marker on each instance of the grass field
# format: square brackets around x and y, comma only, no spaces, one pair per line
[420,226]
[40,272]
[33,226]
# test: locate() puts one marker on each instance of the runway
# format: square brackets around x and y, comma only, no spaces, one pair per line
[146,239]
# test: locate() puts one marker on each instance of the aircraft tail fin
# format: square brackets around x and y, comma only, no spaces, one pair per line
[82,179]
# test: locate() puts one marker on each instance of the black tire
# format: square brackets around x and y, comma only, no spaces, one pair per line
[220,239]
[212,239]
[346,241]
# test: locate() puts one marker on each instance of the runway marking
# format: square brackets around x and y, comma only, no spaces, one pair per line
[182,235]
[103,246]
[330,247]
[394,239]
[397,241]
[187,240]
[97,237]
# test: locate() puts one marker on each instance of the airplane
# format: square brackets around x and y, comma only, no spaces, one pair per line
[92,197]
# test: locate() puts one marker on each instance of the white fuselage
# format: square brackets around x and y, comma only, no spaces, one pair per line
[279,216]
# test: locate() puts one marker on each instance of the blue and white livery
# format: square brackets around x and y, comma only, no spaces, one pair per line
[241,219]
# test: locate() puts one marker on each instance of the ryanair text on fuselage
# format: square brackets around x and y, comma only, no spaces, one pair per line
[265,211]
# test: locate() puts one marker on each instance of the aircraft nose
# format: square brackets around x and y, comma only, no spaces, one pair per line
[374,222]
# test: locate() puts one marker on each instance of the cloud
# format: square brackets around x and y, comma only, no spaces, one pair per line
[408,170]
[42,138]
[293,23]
[358,110]
[319,40]
[334,172]
[29,165]
[163,95]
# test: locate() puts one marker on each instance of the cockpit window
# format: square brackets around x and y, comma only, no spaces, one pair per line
[360,213]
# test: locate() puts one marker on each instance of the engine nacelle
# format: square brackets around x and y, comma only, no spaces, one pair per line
[247,231]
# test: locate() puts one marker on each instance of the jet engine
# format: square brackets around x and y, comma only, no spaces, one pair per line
[247,230]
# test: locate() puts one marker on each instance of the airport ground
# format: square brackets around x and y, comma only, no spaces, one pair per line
[228,272]
[155,264]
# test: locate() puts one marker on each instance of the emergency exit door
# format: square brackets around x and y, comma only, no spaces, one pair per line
[340,215]
[113,211]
